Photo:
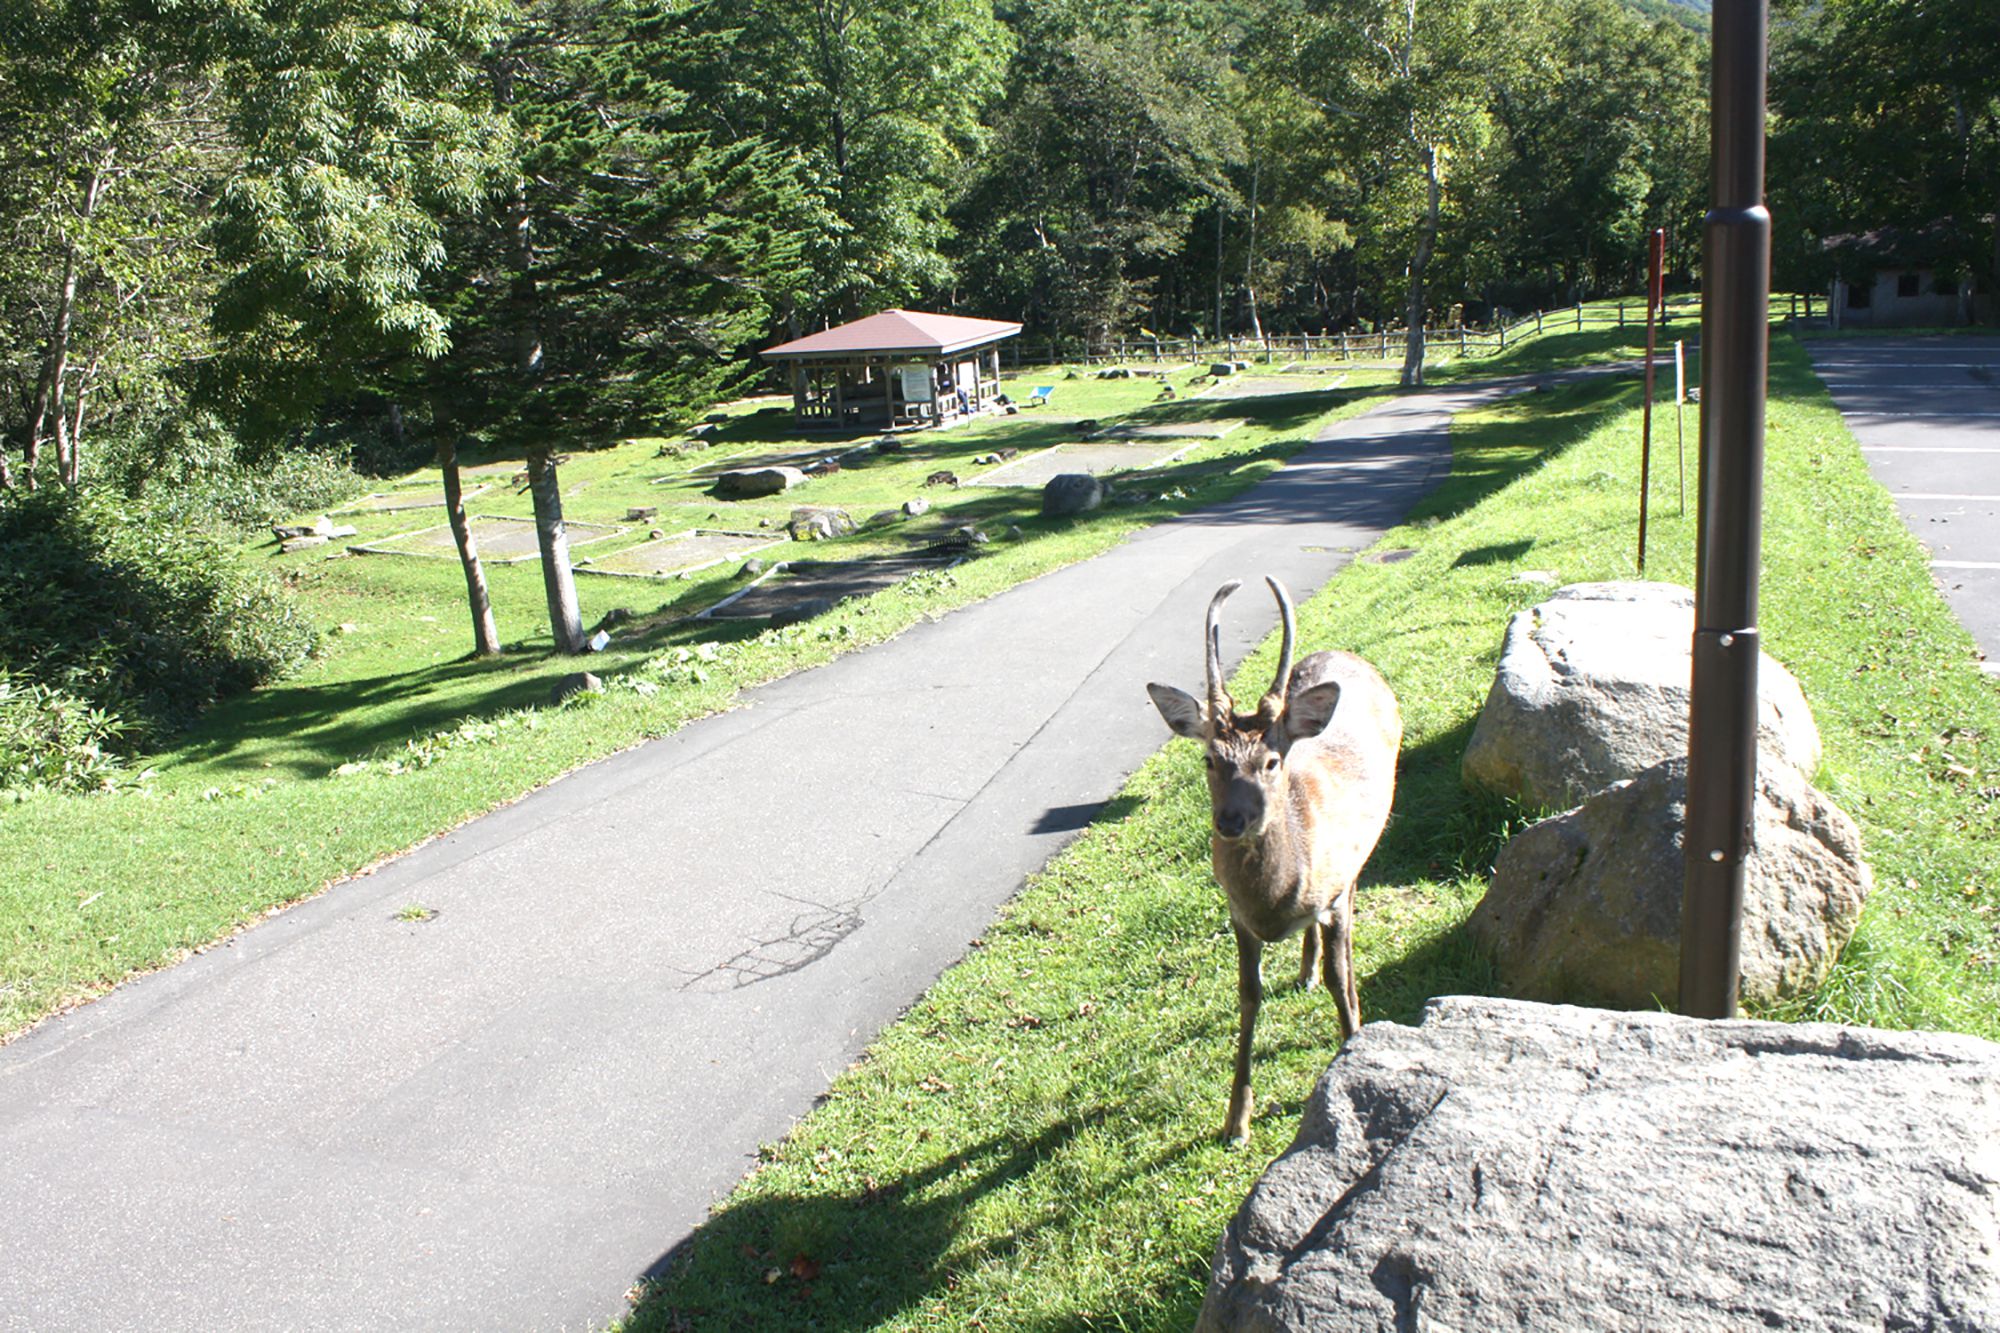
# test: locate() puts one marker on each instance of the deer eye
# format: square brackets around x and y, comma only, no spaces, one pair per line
[1270,763]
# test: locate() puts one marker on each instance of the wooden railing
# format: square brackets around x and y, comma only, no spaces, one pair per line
[1383,346]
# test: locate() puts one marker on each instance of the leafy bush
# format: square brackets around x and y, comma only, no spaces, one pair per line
[144,617]
[190,470]
[53,740]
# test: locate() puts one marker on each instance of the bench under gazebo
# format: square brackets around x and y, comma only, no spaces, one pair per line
[898,368]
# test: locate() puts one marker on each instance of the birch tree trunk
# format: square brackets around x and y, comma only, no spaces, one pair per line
[558,579]
[55,364]
[1413,347]
[485,635]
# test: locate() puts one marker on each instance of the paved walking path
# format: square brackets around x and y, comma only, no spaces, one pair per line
[503,1117]
[1927,413]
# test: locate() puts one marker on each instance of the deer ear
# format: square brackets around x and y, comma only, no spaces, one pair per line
[1181,711]
[1308,711]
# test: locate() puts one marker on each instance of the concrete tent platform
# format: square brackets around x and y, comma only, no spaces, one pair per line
[502,541]
[810,580]
[1098,459]
[392,502]
[697,548]
[1173,430]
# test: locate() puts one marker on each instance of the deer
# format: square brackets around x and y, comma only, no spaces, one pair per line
[1299,791]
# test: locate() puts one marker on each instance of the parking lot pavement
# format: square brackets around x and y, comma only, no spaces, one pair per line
[1927,413]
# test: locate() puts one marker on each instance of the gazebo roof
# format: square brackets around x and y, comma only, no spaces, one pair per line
[907,332]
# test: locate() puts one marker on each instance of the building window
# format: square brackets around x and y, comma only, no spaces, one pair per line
[1906,285]
[1858,295]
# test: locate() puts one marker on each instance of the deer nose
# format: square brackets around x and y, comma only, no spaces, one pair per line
[1231,823]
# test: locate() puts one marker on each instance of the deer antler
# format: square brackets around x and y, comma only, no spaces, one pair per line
[1220,706]
[1281,684]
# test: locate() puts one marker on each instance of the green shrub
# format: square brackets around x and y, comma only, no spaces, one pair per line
[145,617]
[50,739]
[190,470]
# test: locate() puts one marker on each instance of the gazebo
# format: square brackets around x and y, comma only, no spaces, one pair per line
[898,368]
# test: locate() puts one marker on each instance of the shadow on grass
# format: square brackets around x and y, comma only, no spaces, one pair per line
[852,1260]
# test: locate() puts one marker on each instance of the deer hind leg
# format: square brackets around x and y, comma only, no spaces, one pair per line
[1309,961]
[1337,950]
[1249,996]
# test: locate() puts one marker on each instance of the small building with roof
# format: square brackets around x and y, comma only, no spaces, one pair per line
[1905,277]
[898,368]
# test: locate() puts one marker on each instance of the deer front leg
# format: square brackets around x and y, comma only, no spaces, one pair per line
[1309,960]
[1249,996]
[1337,947]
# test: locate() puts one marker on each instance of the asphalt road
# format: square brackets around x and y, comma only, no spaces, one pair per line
[502,1117]
[1927,413]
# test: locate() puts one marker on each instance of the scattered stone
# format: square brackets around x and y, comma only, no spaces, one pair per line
[615,617]
[599,641]
[801,611]
[1509,1165]
[704,431]
[654,534]
[640,513]
[751,569]
[1586,907]
[810,524]
[319,527]
[965,537]
[1071,493]
[1089,426]
[1114,373]
[300,544]
[575,683]
[1592,687]
[941,479]
[346,627]
[883,518]
[822,467]
[985,460]
[1221,368]
[342,532]
[750,483]
[889,444]
[916,506]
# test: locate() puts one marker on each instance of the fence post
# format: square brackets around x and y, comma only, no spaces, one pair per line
[1579,315]
[1621,314]
[1538,321]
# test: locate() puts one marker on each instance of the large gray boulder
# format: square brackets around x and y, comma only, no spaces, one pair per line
[1586,906]
[1071,493]
[750,483]
[811,523]
[1516,1166]
[1593,686]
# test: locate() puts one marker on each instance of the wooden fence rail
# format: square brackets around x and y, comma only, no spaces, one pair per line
[1382,345]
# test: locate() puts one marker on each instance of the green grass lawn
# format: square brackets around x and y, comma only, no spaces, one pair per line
[1034,1146]
[394,734]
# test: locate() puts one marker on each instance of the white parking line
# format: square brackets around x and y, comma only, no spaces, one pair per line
[1942,495]
[1965,564]
[1928,449]
[1935,416]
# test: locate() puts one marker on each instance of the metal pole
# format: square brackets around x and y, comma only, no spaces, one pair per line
[1655,254]
[1735,356]
[1680,429]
